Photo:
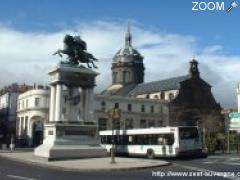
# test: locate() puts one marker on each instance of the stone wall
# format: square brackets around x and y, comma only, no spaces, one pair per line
[195,105]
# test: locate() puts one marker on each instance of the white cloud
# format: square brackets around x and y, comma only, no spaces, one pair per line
[27,57]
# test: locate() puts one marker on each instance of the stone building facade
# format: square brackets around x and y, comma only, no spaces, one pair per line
[195,104]
[187,100]
[177,101]
[8,107]
[127,69]
[135,112]
[32,112]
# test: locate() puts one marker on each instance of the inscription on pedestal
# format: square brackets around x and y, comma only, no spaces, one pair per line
[50,132]
[84,133]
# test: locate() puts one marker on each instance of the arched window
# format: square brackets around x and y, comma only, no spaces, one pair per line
[162,95]
[114,77]
[26,125]
[124,76]
[103,105]
[152,109]
[170,96]
[116,105]
[129,106]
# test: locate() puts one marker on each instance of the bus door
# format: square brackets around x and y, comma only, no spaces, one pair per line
[166,142]
[131,144]
[189,138]
[121,144]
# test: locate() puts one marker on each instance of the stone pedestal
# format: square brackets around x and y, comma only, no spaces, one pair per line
[72,130]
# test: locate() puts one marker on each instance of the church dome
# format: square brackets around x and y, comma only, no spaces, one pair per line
[127,53]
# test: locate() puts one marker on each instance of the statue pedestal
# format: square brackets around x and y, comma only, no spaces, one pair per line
[72,132]
[64,140]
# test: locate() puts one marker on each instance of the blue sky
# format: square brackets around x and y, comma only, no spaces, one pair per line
[163,31]
[171,16]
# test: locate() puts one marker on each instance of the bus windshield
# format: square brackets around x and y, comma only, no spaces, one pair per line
[188,133]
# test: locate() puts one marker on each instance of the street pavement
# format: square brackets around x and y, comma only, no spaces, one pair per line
[180,169]
[85,164]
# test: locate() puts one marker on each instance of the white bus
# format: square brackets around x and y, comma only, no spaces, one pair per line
[154,142]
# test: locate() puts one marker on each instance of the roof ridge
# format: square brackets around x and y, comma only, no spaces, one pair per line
[164,80]
[161,85]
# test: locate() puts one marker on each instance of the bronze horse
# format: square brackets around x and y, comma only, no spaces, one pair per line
[76,50]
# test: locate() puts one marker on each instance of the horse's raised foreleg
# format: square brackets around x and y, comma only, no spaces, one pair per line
[94,65]
[88,65]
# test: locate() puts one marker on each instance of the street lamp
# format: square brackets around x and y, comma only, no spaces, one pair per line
[114,115]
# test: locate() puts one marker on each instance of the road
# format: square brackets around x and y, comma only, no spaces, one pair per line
[10,170]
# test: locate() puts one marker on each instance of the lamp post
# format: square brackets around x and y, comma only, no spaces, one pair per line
[114,115]
[204,139]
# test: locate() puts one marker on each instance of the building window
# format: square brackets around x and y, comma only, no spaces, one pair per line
[160,123]
[124,77]
[147,96]
[22,127]
[143,108]
[103,106]
[129,107]
[102,124]
[156,97]
[114,77]
[143,123]
[116,124]
[23,105]
[161,108]
[129,79]
[151,123]
[170,96]
[129,124]
[64,110]
[116,105]
[162,95]
[17,126]
[26,125]
[65,99]
[152,109]
[37,101]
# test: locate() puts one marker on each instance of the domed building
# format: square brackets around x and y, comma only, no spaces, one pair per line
[176,101]
[127,69]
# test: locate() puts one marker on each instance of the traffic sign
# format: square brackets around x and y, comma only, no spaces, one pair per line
[234,115]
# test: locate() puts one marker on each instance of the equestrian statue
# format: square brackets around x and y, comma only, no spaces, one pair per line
[76,50]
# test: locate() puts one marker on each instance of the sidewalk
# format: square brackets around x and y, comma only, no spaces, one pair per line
[88,164]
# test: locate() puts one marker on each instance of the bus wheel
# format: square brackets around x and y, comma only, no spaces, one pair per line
[150,154]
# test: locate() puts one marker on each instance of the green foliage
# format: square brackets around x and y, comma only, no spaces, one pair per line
[211,143]
[219,142]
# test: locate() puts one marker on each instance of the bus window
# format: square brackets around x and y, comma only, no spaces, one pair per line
[130,139]
[121,139]
[165,139]
[153,139]
[188,133]
[109,139]
[141,139]
[104,139]
[117,140]
[144,140]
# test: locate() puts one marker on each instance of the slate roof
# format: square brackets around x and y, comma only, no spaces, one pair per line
[124,91]
[156,86]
